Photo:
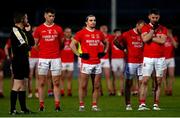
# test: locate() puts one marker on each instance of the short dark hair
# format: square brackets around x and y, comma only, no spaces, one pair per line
[116,29]
[89,16]
[50,10]
[18,16]
[154,11]
[140,22]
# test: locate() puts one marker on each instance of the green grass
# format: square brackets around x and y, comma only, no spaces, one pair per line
[113,106]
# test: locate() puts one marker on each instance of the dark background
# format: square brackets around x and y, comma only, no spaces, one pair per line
[72,13]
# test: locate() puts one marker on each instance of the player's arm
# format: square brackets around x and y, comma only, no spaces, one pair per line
[105,50]
[147,36]
[73,46]
[6,50]
[160,39]
[106,45]
[29,35]
[117,43]
[174,41]
[36,40]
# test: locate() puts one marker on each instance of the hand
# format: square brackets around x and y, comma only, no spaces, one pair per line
[27,27]
[84,56]
[101,54]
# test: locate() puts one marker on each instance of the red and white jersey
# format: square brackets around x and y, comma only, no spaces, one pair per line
[153,49]
[90,42]
[116,52]
[169,48]
[134,44]
[2,55]
[34,53]
[49,40]
[109,38]
[67,54]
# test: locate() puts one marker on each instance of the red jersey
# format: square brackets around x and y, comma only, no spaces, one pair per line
[134,43]
[8,43]
[153,49]
[169,48]
[67,54]
[90,42]
[34,53]
[116,52]
[109,38]
[2,55]
[49,40]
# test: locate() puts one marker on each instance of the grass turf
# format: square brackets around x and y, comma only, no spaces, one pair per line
[112,106]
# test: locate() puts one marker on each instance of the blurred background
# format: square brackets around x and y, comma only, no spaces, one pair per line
[72,13]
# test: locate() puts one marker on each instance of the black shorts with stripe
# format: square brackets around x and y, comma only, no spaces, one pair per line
[20,67]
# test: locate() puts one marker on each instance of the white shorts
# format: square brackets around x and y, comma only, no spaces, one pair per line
[164,65]
[133,69]
[170,62]
[33,62]
[105,63]
[91,68]
[53,64]
[149,64]
[68,66]
[118,64]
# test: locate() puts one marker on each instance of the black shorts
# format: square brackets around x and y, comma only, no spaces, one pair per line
[20,68]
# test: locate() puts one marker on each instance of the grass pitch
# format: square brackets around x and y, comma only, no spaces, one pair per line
[112,106]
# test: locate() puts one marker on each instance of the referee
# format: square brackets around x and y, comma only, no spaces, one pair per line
[21,41]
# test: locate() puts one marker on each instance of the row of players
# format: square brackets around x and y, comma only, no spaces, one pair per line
[127,47]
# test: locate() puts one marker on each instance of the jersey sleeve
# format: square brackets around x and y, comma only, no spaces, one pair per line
[145,29]
[36,33]
[61,34]
[77,36]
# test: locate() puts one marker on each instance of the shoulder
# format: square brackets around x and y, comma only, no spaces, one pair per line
[146,26]
[39,27]
[58,27]
[126,33]
[81,31]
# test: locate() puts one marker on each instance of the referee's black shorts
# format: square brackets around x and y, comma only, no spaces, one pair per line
[20,67]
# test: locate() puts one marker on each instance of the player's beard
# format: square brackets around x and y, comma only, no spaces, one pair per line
[26,24]
[93,26]
[138,31]
[155,22]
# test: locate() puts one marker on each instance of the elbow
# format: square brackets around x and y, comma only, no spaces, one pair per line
[145,40]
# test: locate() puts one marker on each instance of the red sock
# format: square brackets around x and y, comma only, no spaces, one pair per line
[94,104]
[142,101]
[156,101]
[69,90]
[57,103]
[128,102]
[41,104]
[62,91]
[50,91]
[81,103]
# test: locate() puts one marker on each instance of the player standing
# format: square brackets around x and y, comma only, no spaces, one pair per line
[154,36]
[49,36]
[90,39]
